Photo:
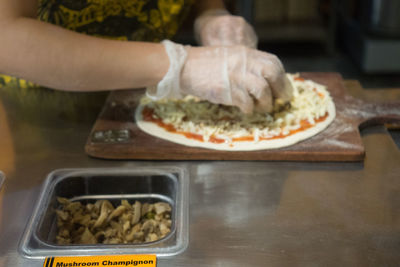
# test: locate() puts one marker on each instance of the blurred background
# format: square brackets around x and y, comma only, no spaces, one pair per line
[358,38]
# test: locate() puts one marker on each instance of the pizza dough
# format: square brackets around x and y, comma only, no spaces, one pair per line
[194,122]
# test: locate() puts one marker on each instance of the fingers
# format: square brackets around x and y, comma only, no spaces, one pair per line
[287,93]
[251,92]
[264,103]
[243,100]
[259,88]
[270,67]
[235,75]
[263,79]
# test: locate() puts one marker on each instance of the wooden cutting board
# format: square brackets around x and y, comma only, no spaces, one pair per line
[115,134]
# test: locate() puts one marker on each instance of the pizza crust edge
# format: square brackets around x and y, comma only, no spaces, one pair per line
[159,132]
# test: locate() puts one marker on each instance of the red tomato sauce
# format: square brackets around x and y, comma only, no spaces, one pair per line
[148,113]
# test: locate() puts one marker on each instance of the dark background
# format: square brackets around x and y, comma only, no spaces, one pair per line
[313,35]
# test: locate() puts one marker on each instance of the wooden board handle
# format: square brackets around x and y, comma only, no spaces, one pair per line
[379,114]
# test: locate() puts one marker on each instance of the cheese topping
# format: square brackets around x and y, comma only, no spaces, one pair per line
[192,115]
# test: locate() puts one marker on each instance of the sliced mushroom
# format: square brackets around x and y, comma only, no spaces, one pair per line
[80,218]
[101,223]
[125,203]
[63,241]
[117,226]
[161,207]
[64,233]
[130,236]
[63,200]
[105,210]
[151,237]
[87,237]
[85,220]
[138,236]
[145,208]
[164,229]
[113,240]
[73,207]
[168,223]
[100,235]
[127,216]
[137,212]
[117,212]
[149,226]
[137,227]
[89,207]
[62,215]
[126,226]
[109,232]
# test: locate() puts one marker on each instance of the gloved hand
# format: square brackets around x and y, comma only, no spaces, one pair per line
[219,28]
[234,75]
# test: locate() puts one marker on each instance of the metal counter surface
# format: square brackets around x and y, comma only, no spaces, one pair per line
[241,213]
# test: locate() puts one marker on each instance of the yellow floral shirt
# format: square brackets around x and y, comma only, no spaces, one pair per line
[138,20]
[133,20]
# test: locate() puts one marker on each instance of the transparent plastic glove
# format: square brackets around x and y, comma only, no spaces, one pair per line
[231,75]
[219,28]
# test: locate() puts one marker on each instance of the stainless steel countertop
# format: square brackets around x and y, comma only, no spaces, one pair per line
[241,213]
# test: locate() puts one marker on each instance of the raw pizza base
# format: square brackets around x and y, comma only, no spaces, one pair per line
[159,132]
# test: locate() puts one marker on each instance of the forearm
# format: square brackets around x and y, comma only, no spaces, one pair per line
[205,5]
[58,58]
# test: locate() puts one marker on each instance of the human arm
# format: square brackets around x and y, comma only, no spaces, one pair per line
[58,58]
[61,59]
[206,5]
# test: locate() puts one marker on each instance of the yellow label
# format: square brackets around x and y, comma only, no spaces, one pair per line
[110,260]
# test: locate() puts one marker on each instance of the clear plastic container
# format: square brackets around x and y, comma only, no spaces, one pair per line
[146,184]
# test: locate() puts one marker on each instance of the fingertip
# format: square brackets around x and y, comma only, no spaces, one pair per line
[257,86]
[246,110]
[246,106]
[288,89]
[263,108]
[264,104]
